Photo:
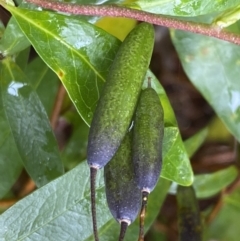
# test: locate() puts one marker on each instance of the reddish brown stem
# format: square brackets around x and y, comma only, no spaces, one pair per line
[117,11]
[216,209]
[57,106]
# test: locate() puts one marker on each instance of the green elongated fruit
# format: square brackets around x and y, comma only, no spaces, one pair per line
[119,96]
[117,102]
[148,131]
[123,195]
[189,219]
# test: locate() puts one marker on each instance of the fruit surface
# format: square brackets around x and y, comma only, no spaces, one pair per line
[189,219]
[119,96]
[123,195]
[148,133]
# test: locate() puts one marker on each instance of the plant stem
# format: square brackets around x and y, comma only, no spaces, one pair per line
[93,173]
[123,230]
[142,215]
[117,11]
[57,106]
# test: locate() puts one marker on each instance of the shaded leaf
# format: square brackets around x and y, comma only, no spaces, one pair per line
[61,211]
[225,226]
[22,58]
[2,29]
[10,161]
[76,148]
[217,131]
[207,185]
[193,143]
[44,81]
[13,39]
[214,73]
[29,125]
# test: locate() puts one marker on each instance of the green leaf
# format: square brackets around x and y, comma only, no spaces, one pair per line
[29,125]
[76,148]
[207,185]
[176,166]
[228,17]
[188,8]
[193,143]
[2,29]
[217,131]
[225,226]
[44,81]
[10,161]
[214,73]
[22,58]
[13,32]
[61,211]
[13,39]
[85,56]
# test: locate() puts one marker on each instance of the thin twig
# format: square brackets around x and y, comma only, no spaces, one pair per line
[7,203]
[117,11]
[57,106]
[216,209]
[29,187]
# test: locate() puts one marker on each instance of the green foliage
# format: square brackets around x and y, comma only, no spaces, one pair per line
[225,227]
[29,125]
[214,74]
[79,54]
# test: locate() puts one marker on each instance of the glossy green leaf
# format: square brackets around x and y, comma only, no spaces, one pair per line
[193,143]
[13,40]
[10,161]
[13,32]
[61,211]
[176,166]
[29,125]
[207,185]
[188,8]
[44,81]
[225,226]
[213,67]
[77,51]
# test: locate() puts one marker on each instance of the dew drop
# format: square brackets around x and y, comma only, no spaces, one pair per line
[90,114]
